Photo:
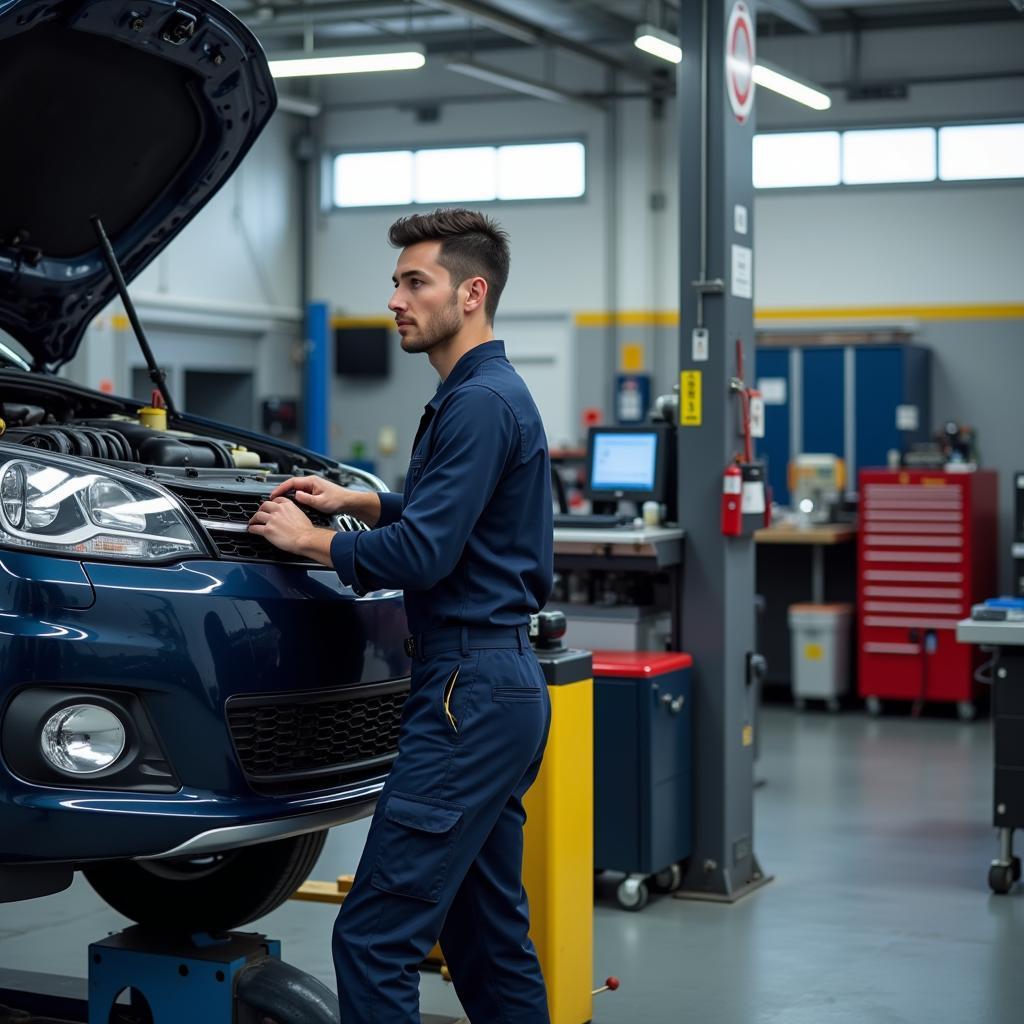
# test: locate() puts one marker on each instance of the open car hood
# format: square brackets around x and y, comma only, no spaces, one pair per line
[135,112]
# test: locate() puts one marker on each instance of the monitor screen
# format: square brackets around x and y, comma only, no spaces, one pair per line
[362,351]
[625,462]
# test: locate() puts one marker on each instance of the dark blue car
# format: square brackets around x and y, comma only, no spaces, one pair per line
[184,710]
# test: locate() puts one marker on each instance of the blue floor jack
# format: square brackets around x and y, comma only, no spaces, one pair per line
[140,977]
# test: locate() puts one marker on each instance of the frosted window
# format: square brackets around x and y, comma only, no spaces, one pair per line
[456,175]
[796,159]
[373,179]
[550,171]
[901,154]
[981,151]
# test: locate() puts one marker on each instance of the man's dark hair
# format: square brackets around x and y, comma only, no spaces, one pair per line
[472,245]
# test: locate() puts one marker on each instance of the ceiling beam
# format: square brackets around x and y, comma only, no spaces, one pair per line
[794,12]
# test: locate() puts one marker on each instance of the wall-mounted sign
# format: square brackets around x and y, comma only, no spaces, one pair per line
[739,61]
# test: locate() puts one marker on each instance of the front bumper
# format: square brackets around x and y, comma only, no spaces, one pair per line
[184,640]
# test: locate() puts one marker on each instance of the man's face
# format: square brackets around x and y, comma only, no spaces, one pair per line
[427,308]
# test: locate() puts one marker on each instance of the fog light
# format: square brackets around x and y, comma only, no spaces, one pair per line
[83,738]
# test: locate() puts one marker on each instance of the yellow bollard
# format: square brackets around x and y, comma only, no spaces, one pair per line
[558,856]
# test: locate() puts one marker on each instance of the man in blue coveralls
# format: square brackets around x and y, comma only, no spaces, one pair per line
[470,543]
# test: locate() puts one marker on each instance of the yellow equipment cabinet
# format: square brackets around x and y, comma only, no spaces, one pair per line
[558,856]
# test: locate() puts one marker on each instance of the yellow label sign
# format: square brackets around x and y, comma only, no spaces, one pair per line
[933,481]
[748,735]
[631,357]
[813,652]
[690,404]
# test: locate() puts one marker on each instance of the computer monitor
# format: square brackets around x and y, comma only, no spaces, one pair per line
[628,463]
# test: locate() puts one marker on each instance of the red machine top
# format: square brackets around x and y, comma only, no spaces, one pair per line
[639,664]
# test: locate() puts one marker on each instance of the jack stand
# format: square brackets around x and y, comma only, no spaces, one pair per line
[141,977]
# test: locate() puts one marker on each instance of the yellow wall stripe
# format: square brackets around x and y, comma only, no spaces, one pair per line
[670,318]
[1005,311]
[362,321]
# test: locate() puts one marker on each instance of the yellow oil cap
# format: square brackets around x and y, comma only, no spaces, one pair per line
[153,417]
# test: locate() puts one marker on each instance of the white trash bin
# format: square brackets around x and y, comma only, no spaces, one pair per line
[820,652]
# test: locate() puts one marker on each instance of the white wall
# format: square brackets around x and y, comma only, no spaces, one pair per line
[897,246]
[226,290]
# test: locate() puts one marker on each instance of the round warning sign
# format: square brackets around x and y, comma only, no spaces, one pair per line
[739,61]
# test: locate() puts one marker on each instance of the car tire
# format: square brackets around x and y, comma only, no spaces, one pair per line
[216,892]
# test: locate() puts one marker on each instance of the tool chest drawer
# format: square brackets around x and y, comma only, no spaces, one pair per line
[927,553]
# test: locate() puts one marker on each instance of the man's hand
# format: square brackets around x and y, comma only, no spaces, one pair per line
[287,527]
[329,499]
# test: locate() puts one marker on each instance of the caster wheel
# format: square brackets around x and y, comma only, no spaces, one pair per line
[966,711]
[833,705]
[632,894]
[874,706]
[668,880]
[1016,869]
[799,703]
[1000,878]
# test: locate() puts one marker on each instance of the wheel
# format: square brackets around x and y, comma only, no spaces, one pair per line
[833,704]
[874,706]
[668,880]
[632,894]
[1000,878]
[215,892]
[966,711]
[1015,863]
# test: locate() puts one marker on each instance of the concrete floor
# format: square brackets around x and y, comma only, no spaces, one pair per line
[878,834]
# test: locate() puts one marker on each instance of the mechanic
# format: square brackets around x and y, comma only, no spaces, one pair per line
[470,543]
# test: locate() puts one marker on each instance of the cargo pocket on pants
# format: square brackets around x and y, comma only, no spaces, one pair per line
[415,847]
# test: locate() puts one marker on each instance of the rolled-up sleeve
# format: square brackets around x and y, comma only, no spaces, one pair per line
[476,437]
[390,508]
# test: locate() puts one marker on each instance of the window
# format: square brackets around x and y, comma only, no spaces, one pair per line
[554,170]
[885,155]
[903,154]
[794,159]
[981,151]
[373,179]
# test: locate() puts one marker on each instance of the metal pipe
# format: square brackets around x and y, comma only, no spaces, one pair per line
[703,160]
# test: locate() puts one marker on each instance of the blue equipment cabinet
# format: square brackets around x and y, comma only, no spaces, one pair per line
[643,769]
[855,401]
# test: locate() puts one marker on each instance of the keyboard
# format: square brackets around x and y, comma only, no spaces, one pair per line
[591,521]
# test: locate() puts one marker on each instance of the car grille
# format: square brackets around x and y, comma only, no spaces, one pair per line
[301,741]
[225,517]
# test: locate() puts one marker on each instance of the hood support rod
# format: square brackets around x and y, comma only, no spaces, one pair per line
[156,374]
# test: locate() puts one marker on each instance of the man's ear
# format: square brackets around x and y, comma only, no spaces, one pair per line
[476,294]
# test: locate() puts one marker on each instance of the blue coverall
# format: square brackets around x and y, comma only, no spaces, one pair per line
[470,543]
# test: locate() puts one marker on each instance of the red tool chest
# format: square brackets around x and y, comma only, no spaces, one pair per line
[926,553]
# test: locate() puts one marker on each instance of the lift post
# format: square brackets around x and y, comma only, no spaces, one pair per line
[716,118]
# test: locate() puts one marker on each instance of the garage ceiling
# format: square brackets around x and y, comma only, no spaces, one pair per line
[599,31]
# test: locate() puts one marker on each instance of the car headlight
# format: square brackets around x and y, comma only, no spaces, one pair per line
[65,510]
[83,738]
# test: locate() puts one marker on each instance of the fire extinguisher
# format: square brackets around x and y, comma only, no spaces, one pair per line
[732,497]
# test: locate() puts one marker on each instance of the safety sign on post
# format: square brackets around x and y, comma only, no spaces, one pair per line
[739,61]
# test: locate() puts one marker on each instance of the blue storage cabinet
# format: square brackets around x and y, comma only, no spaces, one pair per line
[890,377]
[855,401]
[643,768]
[774,447]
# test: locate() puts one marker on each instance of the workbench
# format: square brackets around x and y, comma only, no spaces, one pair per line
[817,537]
[786,556]
[1006,639]
[625,549]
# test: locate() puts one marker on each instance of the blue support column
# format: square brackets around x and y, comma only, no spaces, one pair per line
[318,336]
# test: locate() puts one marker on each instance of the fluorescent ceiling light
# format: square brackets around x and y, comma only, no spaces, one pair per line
[296,105]
[346,62]
[786,84]
[527,86]
[658,42]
